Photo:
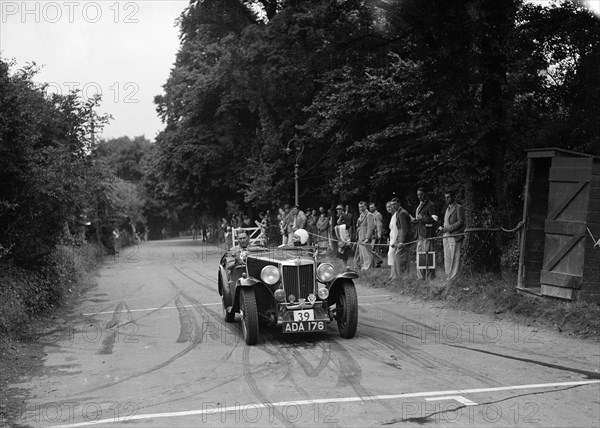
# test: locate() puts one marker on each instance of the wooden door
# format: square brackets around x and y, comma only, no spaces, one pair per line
[565,226]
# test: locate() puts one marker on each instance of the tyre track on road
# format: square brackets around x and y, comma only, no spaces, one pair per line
[589,373]
[257,392]
[208,287]
[186,322]
[421,357]
[334,354]
[196,338]
[113,325]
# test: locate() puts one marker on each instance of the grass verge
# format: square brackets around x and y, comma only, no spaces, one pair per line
[492,295]
[27,298]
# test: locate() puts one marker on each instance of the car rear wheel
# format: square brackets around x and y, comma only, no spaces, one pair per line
[346,310]
[249,314]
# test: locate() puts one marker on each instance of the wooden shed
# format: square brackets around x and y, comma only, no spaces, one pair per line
[561,213]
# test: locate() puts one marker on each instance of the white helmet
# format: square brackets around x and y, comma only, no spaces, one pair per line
[301,235]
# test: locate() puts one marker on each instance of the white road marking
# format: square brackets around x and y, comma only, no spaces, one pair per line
[206,304]
[213,410]
[152,309]
[374,295]
[459,398]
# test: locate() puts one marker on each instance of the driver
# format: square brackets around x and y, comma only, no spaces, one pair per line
[236,255]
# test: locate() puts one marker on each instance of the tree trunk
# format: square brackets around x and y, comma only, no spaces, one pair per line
[484,194]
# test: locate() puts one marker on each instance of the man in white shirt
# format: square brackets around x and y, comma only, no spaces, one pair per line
[393,235]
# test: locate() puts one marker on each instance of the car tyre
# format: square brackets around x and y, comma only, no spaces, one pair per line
[347,310]
[249,313]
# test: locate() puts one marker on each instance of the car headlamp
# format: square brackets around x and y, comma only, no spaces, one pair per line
[279,295]
[270,275]
[291,298]
[323,293]
[325,272]
[312,298]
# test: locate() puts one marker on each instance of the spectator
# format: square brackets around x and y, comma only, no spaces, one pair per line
[342,233]
[389,206]
[351,222]
[323,231]
[424,221]
[246,222]
[115,240]
[204,228]
[194,230]
[297,220]
[366,233]
[454,224]
[311,226]
[223,232]
[283,224]
[402,218]
[263,224]
[378,228]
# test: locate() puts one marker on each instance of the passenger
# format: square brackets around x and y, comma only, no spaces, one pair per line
[299,239]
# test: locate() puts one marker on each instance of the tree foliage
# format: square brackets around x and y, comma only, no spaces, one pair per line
[55,179]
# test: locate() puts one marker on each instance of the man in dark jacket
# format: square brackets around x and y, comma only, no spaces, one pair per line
[424,221]
[342,235]
[453,229]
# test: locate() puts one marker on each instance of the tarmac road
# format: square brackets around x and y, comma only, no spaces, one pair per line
[148,346]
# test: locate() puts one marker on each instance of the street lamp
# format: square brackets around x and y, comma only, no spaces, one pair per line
[299,147]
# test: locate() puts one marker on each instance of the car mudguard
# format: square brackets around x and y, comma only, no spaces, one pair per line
[224,288]
[336,285]
[251,283]
[247,282]
[349,274]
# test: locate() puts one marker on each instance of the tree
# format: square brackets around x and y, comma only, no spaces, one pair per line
[45,165]
[126,157]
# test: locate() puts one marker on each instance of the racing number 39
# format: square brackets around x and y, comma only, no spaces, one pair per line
[307,315]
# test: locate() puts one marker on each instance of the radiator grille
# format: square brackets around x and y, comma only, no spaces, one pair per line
[299,280]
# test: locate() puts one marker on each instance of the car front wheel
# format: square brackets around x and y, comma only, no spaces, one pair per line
[249,313]
[347,311]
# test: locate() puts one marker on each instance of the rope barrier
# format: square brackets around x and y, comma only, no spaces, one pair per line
[467,230]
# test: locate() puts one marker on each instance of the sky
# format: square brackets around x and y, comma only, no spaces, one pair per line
[122,49]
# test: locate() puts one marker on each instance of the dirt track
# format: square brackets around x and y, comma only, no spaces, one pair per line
[148,345]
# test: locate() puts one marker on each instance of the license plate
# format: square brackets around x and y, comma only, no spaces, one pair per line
[304,326]
[304,315]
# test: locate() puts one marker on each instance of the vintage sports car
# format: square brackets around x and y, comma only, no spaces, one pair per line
[288,288]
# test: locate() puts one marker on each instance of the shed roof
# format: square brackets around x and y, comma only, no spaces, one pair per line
[550,152]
